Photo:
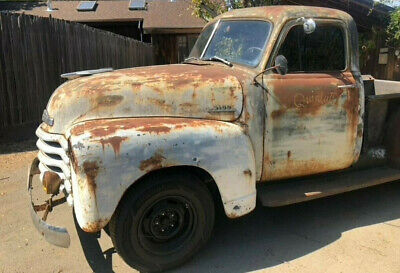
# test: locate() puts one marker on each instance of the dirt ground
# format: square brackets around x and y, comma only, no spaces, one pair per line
[354,232]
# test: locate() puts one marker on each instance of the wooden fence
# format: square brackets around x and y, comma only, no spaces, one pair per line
[388,71]
[34,52]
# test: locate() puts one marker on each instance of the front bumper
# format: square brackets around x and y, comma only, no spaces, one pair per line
[54,235]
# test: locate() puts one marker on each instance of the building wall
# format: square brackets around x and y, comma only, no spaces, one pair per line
[169,48]
[172,48]
[382,62]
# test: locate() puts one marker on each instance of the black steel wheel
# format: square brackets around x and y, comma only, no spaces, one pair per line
[163,222]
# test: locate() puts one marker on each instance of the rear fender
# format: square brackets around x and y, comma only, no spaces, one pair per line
[108,156]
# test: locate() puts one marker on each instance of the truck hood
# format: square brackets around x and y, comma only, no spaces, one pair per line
[182,90]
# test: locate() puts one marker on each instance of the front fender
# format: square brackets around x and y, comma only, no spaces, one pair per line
[108,156]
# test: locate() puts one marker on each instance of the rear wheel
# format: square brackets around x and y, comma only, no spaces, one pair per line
[163,222]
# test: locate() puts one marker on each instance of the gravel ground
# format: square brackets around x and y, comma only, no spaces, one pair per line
[354,232]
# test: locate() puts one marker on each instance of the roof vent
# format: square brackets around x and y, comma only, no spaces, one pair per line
[137,4]
[87,6]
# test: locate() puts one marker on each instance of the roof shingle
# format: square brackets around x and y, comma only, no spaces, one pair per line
[158,15]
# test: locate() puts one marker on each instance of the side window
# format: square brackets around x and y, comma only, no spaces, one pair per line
[322,50]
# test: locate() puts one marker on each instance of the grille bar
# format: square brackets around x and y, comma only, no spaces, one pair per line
[52,138]
[48,161]
[52,154]
[46,148]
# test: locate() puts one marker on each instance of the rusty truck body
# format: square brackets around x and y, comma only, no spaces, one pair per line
[270,104]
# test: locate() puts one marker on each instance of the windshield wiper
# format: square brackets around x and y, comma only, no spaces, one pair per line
[219,59]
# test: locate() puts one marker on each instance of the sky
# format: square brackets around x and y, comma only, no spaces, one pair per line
[395,2]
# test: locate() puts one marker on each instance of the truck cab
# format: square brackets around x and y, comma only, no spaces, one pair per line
[270,104]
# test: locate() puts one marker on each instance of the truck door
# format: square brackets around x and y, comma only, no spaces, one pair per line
[313,112]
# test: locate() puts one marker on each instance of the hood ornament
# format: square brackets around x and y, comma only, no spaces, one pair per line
[47,119]
[83,73]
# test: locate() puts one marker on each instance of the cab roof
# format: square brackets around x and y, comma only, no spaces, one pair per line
[280,14]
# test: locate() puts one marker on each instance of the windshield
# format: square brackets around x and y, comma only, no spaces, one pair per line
[241,42]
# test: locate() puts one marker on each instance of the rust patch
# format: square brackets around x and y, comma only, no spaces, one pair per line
[72,157]
[233,93]
[187,105]
[153,163]
[160,103]
[95,226]
[115,143]
[110,100]
[51,182]
[46,127]
[108,127]
[233,215]
[171,90]
[91,170]
[247,172]
[351,107]
[155,129]
[298,168]
[304,94]
[278,113]
[247,116]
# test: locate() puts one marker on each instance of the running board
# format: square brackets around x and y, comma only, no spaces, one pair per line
[296,191]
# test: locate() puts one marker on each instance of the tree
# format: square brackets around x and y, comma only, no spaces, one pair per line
[208,9]
[393,29]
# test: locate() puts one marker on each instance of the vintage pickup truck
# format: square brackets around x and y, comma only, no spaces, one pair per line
[270,105]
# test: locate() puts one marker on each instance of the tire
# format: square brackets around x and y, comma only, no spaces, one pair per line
[393,140]
[162,222]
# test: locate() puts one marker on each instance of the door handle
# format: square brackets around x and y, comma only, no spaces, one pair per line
[346,86]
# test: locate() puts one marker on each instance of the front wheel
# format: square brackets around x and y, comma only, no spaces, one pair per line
[163,222]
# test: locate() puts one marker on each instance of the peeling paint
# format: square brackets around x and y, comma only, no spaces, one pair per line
[247,172]
[115,143]
[91,170]
[205,144]
[175,90]
[310,117]
[152,163]
[206,116]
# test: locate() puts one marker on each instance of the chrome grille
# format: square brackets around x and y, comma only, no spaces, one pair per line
[53,156]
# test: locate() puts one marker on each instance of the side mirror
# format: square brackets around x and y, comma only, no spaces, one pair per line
[281,64]
[309,25]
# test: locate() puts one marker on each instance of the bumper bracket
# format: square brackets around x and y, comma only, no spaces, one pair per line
[54,235]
